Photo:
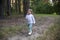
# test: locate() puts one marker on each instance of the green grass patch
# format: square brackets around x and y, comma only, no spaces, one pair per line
[53,32]
[46,15]
[11,31]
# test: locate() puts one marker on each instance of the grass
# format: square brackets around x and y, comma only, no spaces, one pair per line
[53,32]
[10,31]
[45,15]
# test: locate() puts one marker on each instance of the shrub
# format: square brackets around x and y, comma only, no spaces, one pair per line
[40,6]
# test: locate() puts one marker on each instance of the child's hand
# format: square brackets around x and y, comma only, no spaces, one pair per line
[34,22]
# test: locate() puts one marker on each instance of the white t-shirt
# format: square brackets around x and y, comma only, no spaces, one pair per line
[30,19]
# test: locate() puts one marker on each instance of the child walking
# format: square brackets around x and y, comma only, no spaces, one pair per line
[30,20]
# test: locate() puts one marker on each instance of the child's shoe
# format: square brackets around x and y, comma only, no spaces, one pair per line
[30,33]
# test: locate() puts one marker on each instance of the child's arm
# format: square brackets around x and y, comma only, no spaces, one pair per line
[33,19]
[26,17]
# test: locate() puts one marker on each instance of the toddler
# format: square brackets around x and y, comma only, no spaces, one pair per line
[30,20]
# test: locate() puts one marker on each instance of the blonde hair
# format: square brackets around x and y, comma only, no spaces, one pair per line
[30,10]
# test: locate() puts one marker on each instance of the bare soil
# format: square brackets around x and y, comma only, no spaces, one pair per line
[42,24]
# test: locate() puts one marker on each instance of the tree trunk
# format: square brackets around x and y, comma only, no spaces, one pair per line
[5,6]
[1,9]
[8,8]
[16,6]
[51,2]
[19,7]
[58,7]
[26,6]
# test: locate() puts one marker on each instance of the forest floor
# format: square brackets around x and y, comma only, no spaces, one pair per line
[39,29]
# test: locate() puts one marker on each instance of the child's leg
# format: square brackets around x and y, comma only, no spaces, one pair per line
[30,27]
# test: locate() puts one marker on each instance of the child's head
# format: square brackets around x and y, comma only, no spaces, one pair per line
[29,11]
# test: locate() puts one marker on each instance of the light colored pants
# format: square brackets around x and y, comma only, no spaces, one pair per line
[30,27]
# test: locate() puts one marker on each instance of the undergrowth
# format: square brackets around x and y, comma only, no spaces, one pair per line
[53,32]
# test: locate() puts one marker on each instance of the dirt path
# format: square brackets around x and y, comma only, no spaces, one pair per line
[42,24]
